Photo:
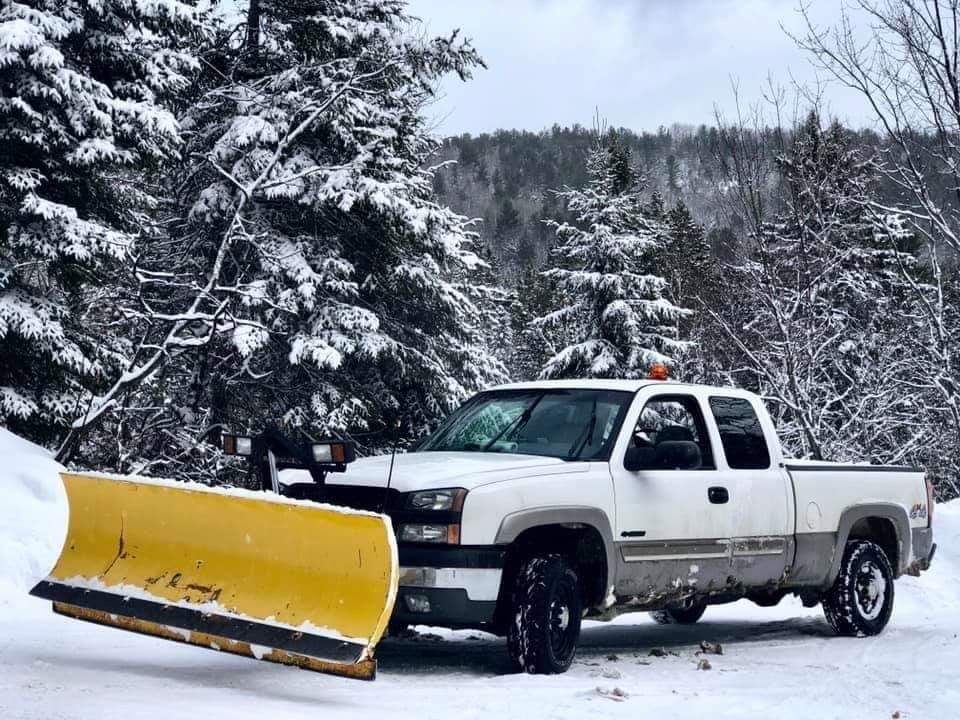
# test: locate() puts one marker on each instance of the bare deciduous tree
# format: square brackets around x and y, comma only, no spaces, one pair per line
[908,71]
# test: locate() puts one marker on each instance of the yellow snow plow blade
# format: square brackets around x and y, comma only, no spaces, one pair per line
[251,573]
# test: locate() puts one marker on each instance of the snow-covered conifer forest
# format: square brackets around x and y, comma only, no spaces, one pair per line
[218,220]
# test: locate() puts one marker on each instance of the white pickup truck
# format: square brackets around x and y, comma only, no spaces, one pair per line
[537,504]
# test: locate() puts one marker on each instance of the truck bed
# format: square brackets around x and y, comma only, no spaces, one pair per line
[825,494]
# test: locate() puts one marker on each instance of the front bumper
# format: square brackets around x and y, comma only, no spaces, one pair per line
[479,584]
[449,586]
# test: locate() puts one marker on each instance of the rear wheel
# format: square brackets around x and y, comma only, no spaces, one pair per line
[679,615]
[861,599]
[546,607]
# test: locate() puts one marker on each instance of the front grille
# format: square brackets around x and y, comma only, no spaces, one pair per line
[370,499]
[357,497]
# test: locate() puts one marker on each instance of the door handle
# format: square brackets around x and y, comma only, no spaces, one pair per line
[718,495]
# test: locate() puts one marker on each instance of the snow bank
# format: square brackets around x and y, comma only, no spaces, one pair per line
[946,528]
[33,515]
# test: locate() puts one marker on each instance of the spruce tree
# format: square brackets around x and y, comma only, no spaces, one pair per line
[87,93]
[614,318]
[689,264]
[695,282]
[530,345]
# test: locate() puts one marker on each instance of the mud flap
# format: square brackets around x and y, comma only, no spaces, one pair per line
[249,573]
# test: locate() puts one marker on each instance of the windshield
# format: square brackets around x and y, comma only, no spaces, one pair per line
[567,424]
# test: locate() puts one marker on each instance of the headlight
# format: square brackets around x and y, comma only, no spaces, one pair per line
[449,499]
[430,533]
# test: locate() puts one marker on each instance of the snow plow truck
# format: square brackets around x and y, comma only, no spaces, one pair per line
[532,506]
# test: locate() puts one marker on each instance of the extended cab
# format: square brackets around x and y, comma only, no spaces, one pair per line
[536,504]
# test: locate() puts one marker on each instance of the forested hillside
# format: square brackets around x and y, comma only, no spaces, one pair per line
[510,178]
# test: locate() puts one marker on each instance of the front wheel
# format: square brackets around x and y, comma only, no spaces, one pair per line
[545,616]
[861,599]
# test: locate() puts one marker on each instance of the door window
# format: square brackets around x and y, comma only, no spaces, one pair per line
[740,433]
[673,418]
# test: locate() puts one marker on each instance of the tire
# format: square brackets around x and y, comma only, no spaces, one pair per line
[679,615]
[861,599]
[546,608]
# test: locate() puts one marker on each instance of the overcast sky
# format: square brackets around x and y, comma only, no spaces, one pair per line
[643,63]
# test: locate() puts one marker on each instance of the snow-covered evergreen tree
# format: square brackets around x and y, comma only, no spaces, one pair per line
[483,285]
[530,346]
[695,282]
[615,320]
[317,282]
[689,263]
[85,100]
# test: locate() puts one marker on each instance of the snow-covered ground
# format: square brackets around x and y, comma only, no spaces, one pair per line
[778,662]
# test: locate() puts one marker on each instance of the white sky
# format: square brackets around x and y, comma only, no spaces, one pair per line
[643,63]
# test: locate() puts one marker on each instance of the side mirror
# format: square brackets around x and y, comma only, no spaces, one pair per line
[667,455]
[678,455]
[639,458]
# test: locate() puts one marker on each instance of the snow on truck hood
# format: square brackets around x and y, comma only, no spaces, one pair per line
[441,469]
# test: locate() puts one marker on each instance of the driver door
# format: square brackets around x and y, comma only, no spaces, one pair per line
[673,525]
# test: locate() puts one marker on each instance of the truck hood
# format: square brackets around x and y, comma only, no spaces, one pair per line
[434,470]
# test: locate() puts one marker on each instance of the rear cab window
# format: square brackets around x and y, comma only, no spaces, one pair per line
[741,435]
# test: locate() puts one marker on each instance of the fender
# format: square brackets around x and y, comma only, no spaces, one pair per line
[886,511]
[515,523]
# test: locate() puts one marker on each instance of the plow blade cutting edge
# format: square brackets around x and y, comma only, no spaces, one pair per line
[249,573]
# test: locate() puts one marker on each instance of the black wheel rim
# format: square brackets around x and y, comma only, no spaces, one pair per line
[562,622]
[870,590]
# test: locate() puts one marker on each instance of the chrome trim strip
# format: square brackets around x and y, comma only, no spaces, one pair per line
[679,556]
[702,549]
[759,546]
[675,550]
[481,584]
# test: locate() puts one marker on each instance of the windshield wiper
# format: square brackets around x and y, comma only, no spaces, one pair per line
[588,437]
[516,424]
